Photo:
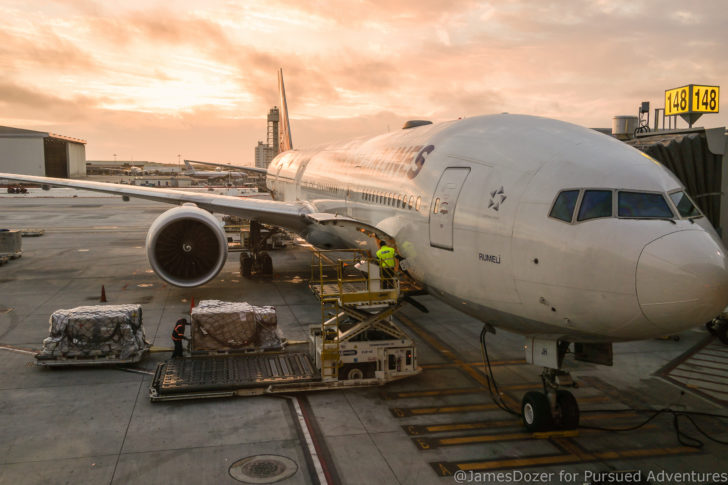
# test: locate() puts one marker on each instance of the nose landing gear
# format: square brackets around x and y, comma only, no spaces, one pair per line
[552,409]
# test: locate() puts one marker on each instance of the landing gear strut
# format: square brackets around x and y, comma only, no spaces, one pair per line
[254,260]
[553,408]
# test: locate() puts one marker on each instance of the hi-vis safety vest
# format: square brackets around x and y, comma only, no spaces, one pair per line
[178,332]
[386,257]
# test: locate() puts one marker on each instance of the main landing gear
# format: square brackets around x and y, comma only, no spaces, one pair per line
[259,263]
[554,408]
[254,260]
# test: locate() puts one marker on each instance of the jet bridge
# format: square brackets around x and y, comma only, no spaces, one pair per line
[698,158]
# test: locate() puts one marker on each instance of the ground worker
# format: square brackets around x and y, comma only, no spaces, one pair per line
[387,261]
[178,334]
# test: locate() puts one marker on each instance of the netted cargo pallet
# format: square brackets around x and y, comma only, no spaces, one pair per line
[233,327]
[11,244]
[90,335]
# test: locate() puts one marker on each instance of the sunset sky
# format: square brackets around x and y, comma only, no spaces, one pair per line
[148,80]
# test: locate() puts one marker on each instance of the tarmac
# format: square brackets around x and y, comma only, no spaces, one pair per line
[98,425]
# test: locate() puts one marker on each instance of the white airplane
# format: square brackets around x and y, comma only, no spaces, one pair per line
[218,173]
[135,171]
[537,226]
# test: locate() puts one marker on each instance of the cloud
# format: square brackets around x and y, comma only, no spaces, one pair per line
[347,69]
[24,102]
[387,12]
[43,50]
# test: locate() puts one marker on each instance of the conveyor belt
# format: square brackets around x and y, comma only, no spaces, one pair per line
[232,372]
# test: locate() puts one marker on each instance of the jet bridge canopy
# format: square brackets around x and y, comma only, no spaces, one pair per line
[697,158]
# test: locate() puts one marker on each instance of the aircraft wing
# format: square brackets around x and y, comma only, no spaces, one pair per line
[321,229]
[286,214]
[242,168]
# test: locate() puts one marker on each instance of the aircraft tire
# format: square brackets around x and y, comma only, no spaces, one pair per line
[569,408]
[246,266]
[266,264]
[722,331]
[536,412]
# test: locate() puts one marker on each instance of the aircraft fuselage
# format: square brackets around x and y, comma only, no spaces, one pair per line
[468,203]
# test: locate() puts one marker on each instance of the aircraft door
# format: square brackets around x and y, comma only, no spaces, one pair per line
[442,211]
[299,176]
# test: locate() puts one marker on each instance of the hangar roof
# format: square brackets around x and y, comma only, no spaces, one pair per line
[10,132]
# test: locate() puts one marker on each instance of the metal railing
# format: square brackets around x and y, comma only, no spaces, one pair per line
[345,278]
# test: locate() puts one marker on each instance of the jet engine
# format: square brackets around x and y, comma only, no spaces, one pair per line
[186,246]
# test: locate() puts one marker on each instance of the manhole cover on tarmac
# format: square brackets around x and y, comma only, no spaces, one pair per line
[263,469]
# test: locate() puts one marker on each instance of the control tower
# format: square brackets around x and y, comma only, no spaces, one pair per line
[265,152]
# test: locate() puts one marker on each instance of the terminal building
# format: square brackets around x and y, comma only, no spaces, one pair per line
[41,153]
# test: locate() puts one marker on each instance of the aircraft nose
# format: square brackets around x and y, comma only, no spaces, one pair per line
[682,280]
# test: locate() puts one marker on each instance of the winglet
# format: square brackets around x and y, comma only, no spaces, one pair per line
[284,126]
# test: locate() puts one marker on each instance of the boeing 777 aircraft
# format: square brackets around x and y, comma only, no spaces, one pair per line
[537,226]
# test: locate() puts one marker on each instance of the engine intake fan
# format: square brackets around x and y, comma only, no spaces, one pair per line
[186,246]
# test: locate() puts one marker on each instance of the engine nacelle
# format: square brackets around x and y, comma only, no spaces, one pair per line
[186,246]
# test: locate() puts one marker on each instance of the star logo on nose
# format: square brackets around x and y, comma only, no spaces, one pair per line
[497,197]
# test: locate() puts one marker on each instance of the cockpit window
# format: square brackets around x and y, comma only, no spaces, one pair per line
[638,205]
[684,205]
[564,206]
[595,203]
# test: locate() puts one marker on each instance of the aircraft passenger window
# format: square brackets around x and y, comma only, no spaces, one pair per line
[436,206]
[411,201]
[684,205]
[564,206]
[637,204]
[595,203]
[417,204]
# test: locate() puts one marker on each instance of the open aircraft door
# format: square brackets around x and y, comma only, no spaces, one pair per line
[442,211]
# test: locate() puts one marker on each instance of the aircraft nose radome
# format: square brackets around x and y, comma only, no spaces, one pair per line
[682,280]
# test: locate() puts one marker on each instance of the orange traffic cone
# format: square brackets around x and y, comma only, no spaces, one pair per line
[103,294]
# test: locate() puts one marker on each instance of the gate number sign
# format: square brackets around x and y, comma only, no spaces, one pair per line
[692,98]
